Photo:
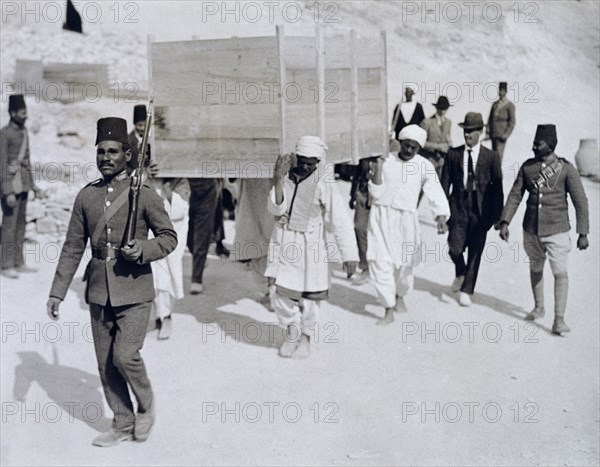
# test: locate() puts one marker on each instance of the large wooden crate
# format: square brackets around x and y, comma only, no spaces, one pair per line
[228,107]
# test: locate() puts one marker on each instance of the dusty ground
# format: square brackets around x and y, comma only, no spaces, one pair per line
[443,385]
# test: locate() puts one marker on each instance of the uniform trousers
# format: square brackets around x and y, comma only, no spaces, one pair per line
[498,146]
[119,334]
[13,232]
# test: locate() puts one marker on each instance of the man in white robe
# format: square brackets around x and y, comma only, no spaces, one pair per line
[168,272]
[394,237]
[305,201]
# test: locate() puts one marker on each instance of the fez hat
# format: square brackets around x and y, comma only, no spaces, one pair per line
[473,121]
[112,129]
[547,133]
[139,113]
[442,103]
[503,85]
[16,102]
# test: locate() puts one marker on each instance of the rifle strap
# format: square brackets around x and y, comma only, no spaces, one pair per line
[108,214]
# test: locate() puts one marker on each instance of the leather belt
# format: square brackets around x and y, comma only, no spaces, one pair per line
[106,253]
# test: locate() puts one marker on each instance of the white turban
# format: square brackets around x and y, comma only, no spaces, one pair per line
[311,146]
[414,132]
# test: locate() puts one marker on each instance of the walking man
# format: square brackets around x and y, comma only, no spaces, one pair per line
[119,279]
[305,202]
[501,121]
[16,182]
[394,240]
[472,180]
[548,179]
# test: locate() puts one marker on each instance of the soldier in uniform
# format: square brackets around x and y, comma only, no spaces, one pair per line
[548,179]
[501,121]
[135,137]
[119,279]
[15,184]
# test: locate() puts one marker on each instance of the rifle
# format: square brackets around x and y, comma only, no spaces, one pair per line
[136,181]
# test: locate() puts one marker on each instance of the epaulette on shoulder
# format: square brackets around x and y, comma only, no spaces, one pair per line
[562,159]
[93,182]
[530,161]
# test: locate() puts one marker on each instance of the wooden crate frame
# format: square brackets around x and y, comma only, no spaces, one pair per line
[200,132]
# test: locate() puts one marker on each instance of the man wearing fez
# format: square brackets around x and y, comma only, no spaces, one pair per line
[119,279]
[501,121]
[472,180]
[548,179]
[136,136]
[16,182]
[439,141]
[305,203]
[396,185]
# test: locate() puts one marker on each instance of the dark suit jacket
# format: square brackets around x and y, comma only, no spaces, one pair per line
[488,183]
[123,282]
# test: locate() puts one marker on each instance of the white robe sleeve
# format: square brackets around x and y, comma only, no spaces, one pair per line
[274,208]
[432,187]
[339,222]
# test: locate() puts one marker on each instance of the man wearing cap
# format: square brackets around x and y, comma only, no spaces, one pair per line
[394,235]
[135,137]
[439,141]
[472,180]
[501,121]
[305,201]
[409,112]
[119,279]
[15,184]
[548,179]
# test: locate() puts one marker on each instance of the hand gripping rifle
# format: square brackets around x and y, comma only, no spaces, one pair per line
[136,181]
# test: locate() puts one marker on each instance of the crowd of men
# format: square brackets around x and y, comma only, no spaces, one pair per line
[129,284]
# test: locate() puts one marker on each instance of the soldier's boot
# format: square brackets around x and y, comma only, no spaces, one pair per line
[561,290]
[537,286]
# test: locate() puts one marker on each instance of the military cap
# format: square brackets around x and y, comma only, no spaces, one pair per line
[139,113]
[547,132]
[16,102]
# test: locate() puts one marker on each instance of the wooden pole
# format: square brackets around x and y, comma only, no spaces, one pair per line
[353,99]
[282,81]
[320,39]
[384,93]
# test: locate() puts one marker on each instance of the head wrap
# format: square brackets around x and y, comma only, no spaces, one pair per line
[311,146]
[414,132]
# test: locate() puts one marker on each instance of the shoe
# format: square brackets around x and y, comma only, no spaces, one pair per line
[166,327]
[361,278]
[464,299]
[221,250]
[457,284]
[196,288]
[143,425]
[26,269]
[534,314]
[11,273]
[560,326]
[303,349]
[112,437]
[290,344]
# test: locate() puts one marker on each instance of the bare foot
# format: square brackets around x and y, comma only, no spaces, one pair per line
[290,343]
[388,318]
[400,305]
[303,349]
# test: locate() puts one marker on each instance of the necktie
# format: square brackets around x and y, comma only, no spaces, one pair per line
[470,174]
